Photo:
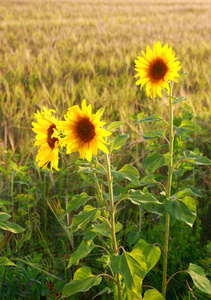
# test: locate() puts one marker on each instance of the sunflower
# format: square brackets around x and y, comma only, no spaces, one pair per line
[156,68]
[83,132]
[47,138]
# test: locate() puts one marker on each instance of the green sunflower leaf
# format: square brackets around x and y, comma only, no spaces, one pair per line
[188,126]
[82,251]
[82,282]
[77,201]
[139,198]
[155,161]
[152,295]
[115,125]
[160,133]
[151,253]
[104,229]
[199,278]
[154,118]
[127,172]
[83,218]
[179,99]
[195,158]
[119,141]
[106,290]
[182,209]
[132,267]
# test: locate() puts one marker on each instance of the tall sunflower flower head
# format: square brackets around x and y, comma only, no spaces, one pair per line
[156,68]
[47,137]
[83,131]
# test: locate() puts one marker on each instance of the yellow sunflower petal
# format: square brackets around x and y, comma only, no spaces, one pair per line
[83,131]
[47,137]
[156,68]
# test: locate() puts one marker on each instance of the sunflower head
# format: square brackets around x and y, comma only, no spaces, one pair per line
[83,131]
[156,68]
[47,137]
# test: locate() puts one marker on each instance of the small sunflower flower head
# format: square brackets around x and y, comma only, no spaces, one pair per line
[83,131]
[156,68]
[47,137]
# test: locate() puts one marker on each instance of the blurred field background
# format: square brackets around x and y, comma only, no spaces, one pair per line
[56,53]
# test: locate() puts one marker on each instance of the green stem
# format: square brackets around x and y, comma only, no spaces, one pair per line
[112,214]
[170,172]
[99,191]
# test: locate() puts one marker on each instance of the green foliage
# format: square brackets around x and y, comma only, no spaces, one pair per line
[199,279]
[152,295]
[82,282]
[5,262]
[8,226]
[83,218]
[151,253]
[82,251]
[24,281]
[183,209]
[119,141]
[132,267]
[127,172]
[155,161]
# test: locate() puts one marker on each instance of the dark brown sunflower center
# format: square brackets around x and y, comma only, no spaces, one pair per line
[158,70]
[85,130]
[51,141]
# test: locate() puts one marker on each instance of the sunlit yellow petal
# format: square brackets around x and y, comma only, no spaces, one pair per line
[156,68]
[83,131]
[47,138]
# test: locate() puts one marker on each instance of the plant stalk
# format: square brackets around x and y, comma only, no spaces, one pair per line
[112,213]
[170,173]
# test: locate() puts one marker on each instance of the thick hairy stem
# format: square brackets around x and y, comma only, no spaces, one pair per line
[112,213]
[170,172]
